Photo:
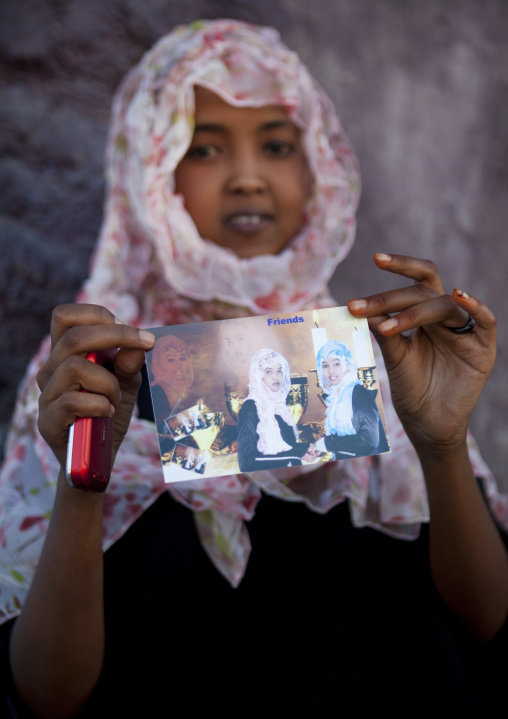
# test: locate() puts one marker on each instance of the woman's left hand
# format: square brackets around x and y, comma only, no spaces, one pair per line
[436,375]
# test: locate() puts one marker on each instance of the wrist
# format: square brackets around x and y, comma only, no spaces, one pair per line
[442,453]
[72,496]
[446,469]
[438,449]
[444,461]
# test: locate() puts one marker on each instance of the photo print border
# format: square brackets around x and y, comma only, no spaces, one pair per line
[265,392]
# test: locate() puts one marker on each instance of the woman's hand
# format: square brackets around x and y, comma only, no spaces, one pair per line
[77,330]
[436,376]
[57,644]
[311,454]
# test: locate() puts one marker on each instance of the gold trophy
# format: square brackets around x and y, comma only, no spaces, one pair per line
[298,396]
[206,437]
[235,394]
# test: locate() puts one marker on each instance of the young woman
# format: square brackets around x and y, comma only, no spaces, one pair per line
[236,347]
[352,423]
[172,374]
[267,433]
[232,191]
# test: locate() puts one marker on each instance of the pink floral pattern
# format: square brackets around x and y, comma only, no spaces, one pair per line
[151,268]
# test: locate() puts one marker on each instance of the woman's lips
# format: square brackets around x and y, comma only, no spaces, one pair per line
[248,223]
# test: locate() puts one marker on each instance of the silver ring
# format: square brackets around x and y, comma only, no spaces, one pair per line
[464,330]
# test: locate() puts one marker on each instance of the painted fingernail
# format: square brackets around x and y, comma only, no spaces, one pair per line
[381,257]
[463,294]
[357,305]
[388,325]
[147,338]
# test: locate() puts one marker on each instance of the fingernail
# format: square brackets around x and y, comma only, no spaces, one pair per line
[118,321]
[381,257]
[463,294]
[388,325]
[357,304]
[147,338]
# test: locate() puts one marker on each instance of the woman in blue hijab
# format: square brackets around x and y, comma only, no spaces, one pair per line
[352,422]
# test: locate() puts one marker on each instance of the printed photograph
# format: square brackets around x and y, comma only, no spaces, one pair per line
[186,423]
[265,392]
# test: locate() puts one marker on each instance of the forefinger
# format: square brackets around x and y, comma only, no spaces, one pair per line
[81,329]
[72,315]
[423,272]
[82,339]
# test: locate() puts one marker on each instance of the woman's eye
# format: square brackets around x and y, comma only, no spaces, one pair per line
[279,148]
[202,152]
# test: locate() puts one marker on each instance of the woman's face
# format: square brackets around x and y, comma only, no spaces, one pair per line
[245,178]
[332,370]
[176,364]
[237,345]
[273,376]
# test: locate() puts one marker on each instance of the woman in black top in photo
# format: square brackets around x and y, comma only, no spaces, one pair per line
[352,423]
[267,433]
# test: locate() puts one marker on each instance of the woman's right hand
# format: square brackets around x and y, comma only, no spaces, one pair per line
[77,330]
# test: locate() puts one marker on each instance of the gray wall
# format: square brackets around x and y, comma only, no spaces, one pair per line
[421,88]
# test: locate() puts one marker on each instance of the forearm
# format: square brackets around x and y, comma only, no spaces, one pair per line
[57,644]
[468,559]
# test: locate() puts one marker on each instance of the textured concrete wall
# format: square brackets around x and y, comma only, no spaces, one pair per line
[422,91]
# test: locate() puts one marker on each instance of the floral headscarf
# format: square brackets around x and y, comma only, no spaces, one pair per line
[269,403]
[151,268]
[339,400]
[150,252]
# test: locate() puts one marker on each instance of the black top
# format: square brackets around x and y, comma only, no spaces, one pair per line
[250,459]
[329,621]
[369,437]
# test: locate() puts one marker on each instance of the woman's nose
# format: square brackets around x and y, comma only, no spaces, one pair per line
[246,176]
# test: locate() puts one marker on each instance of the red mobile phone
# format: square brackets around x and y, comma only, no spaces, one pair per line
[90,448]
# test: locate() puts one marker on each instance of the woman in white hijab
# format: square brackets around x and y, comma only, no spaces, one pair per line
[267,433]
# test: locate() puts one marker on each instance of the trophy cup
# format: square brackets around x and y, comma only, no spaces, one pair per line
[207,436]
[298,396]
[235,393]
[364,359]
